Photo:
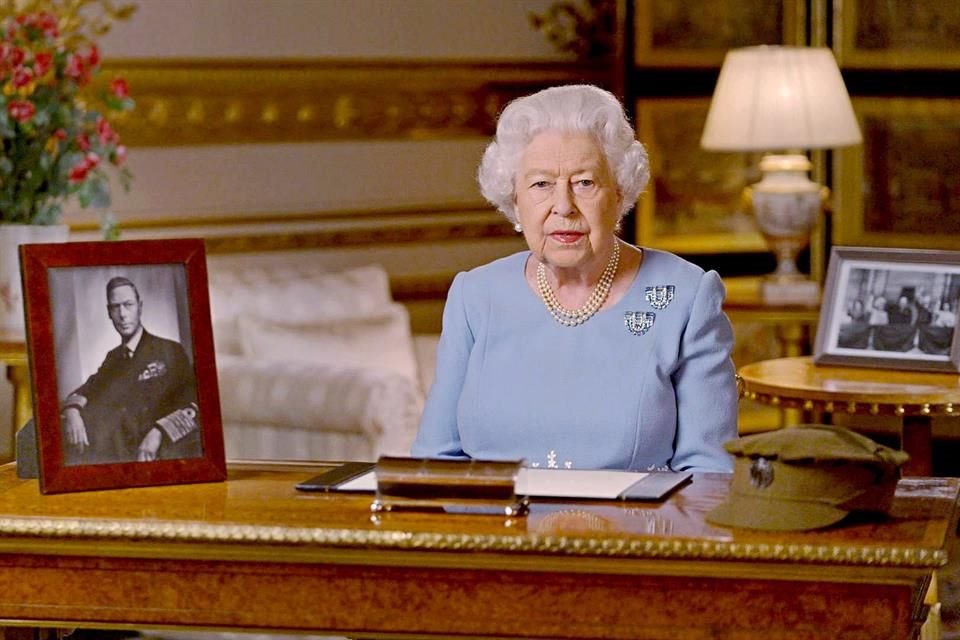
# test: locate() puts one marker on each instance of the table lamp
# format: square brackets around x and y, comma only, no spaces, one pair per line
[783,101]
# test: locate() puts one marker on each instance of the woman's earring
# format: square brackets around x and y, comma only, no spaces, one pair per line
[517,227]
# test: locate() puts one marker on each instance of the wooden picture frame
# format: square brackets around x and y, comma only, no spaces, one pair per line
[694,203]
[879,34]
[901,187]
[698,33]
[147,417]
[891,309]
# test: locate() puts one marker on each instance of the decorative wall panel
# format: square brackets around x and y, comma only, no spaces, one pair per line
[204,102]
[902,187]
[897,34]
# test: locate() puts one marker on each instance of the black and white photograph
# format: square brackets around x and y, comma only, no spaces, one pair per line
[123,349]
[129,396]
[890,308]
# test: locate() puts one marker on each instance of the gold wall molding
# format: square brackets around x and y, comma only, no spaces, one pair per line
[322,229]
[348,230]
[194,102]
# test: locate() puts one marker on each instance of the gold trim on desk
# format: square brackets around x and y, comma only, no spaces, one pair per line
[680,549]
[798,382]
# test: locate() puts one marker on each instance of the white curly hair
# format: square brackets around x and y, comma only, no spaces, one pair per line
[580,108]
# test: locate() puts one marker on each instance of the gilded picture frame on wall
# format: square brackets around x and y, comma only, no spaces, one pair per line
[694,202]
[698,33]
[124,380]
[890,308]
[901,187]
[897,34]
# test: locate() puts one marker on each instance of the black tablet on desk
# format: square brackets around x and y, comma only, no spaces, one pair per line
[332,479]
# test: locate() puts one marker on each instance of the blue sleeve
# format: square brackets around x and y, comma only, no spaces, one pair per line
[439,435]
[705,384]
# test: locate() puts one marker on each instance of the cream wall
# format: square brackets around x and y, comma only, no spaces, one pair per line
[190,190]
[357,29]
[192,182]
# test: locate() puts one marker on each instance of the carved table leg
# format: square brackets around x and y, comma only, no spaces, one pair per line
[916,439]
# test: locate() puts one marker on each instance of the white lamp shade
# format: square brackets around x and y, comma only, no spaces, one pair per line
[773,98]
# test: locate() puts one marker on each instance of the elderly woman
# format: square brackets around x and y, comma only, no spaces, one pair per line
[583,352]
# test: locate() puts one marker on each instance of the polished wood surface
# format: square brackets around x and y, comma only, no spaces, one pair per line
[913,396]
[254,553]
[855,389]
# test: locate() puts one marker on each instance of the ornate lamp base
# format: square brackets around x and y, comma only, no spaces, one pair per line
[796,289]
[786,204]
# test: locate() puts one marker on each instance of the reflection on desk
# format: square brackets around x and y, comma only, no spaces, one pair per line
[253,553]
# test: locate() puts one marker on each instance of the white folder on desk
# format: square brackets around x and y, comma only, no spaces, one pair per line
[572,483]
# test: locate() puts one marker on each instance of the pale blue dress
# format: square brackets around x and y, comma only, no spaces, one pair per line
[512,383]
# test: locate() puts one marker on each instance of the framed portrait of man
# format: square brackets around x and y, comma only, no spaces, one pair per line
[122,366]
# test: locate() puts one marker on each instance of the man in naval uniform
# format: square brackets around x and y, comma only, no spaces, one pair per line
[141,404]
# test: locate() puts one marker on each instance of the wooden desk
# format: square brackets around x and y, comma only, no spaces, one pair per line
[914,396]
[254,554]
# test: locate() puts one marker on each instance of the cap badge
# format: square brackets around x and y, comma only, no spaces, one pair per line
[761,473]
[660,296]
[639,322]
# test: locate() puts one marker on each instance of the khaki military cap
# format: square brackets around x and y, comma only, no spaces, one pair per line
[806,477]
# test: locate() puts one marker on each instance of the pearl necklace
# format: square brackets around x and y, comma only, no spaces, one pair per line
[572,318]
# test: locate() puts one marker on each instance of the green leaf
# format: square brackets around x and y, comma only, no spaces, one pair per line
[99,192]
[109,226]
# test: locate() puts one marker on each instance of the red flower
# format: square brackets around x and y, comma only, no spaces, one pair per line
[76,68]
[119,155]
[60,134]
[22,76]
[83,142]
[48,23]
[42,62]
[105,132]
[79,172]
[21,110]
[93,57]
[120,88]
[17,56]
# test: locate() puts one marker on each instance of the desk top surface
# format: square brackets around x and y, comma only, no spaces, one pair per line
[259,506]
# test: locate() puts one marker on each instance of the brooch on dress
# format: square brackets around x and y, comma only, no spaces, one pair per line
[660,296]
[639,322]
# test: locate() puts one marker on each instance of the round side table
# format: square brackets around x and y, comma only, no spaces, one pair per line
[913,396]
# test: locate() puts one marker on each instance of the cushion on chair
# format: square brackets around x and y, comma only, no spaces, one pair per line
[382,404]
[300,295]
[378,341]
[314,364]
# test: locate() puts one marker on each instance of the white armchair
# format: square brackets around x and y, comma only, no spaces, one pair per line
[316,365]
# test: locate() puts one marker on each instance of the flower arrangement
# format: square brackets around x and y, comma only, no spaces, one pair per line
[57,138]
